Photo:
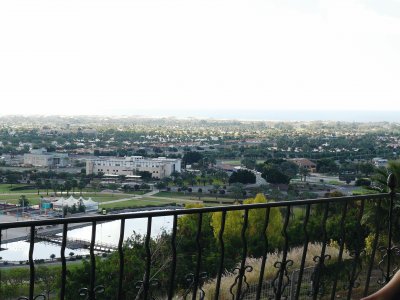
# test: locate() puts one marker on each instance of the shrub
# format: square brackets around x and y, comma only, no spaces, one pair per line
[363,182]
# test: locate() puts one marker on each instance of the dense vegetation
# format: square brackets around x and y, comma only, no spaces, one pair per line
[357,234]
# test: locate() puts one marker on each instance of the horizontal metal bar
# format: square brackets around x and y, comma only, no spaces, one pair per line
[162,213]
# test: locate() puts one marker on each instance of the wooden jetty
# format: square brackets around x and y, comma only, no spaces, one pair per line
[74,243]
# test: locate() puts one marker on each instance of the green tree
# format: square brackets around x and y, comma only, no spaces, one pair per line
[289,168]
[74,185]
[12,178]
[186,245]
[242,176]
[255,235]
[191,157]
[47,186]
[55,186]
[237,190]
[95,184]
[67,186]
[304,172]
[145,175]
[81,186]
[113,187]
[249,163]
[327,165]
[47,279]
[273,175]
[13,282]
[366,168]
[23,201]
[381,175]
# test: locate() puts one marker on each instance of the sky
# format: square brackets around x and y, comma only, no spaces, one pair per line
[178,57]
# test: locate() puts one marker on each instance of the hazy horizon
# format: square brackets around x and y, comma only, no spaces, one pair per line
[271,115]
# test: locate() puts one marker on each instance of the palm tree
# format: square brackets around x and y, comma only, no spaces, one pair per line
[67,186]
[23,201]
[381,175]
[304,172]
[378,213]
[81,186]
[47,186]
[55,186]
[74,184]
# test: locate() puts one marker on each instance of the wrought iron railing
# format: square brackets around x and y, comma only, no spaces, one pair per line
[356,269]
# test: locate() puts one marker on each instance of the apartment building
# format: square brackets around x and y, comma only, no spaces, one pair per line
[42,158]
[159,167]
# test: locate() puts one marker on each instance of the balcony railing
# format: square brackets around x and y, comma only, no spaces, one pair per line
[328,248]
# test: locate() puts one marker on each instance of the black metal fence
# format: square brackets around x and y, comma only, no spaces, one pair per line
[345,267]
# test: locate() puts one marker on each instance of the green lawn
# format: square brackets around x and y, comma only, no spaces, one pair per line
[5,188]
[104,197]
[192,196]
[362,191]
[170,194]
[234,162]
[335,182]
[135,203]
[34,198]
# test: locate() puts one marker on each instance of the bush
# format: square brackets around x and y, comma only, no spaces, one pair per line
[23,188]
[242,176]
[363,182]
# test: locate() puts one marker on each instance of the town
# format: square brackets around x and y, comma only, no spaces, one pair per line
[61,168]
[200,160]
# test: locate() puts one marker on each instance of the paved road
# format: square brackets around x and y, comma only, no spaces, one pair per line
[149,194]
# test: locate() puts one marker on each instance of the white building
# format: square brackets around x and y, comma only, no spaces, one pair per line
[380,162]
[159,167]
[42,158]
[89,204]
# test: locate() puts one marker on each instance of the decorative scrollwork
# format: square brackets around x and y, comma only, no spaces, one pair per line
[154,287]
[85,292]
[317,284]
[240,274]
[38,297]
[189,278]
[386,252]
[281,274]
[355,270]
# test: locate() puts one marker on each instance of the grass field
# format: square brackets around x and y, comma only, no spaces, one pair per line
[192,196]
[34,198]
[5,188]
[236,162]
[105,197]
[362,191]
[162,198]
[134,203]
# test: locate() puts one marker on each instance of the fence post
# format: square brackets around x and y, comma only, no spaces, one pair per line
[392,183]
